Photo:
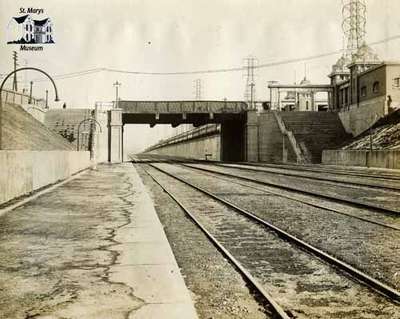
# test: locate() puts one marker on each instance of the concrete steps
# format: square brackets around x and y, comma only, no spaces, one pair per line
[66,121]
[315,131]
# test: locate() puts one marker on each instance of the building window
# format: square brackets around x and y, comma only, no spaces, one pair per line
[363,91]
[396,82]
[306,105]
[375,87]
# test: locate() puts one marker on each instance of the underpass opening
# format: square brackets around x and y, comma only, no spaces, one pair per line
[225,142]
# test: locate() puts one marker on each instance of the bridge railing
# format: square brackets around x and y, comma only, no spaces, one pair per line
[183,106]
[104,106]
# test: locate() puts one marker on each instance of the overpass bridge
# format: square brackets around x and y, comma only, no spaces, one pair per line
[181,112]
[230,114]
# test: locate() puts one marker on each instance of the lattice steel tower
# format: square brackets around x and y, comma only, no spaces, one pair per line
[354,21]
[198,89]
[250,91]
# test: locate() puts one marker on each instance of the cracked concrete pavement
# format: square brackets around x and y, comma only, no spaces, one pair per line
[91,248]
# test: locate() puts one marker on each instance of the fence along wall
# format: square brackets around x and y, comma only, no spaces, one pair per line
[36,107]
[26,171]
[9,96]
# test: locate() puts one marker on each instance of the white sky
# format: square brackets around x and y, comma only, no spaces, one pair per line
[176,35]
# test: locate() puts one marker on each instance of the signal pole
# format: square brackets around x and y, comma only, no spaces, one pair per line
[117,85]
[15,83]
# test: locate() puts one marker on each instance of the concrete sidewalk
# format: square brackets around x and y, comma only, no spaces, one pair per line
[91,248]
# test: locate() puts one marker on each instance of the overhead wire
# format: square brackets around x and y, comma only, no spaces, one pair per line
[206,71]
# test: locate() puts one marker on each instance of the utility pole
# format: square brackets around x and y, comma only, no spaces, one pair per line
[25,88]
[30,93]
[117,85]
[15,83]
[47,99]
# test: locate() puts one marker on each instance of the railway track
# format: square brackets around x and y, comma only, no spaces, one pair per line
[308,201]
[383,200]
[378,175]
[387,183]
[295,283]
[319,168]
[370,243]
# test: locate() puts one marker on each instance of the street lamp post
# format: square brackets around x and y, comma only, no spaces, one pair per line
[93,123]
[92,120]
[1,98]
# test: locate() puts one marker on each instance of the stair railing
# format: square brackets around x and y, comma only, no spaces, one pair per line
[301,158]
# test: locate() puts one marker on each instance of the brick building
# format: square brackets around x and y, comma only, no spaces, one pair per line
[364,89]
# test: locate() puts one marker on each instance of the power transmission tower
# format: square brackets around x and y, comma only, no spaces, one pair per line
[250,92]
[15,83]
[117,85]
[354,21]
[198,89]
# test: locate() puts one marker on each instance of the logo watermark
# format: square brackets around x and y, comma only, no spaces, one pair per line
[30,29]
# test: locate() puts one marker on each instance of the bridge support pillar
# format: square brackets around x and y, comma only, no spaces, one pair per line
[252,138]
[115,136]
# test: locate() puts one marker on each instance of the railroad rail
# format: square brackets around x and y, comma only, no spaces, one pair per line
[389,183]
[246,274]
[309,202]
[332,197]
[320,168]
[356,274]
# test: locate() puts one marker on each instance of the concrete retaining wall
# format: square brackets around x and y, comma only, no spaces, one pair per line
[382,159]
[359,118]
[26,171]
[195,149]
